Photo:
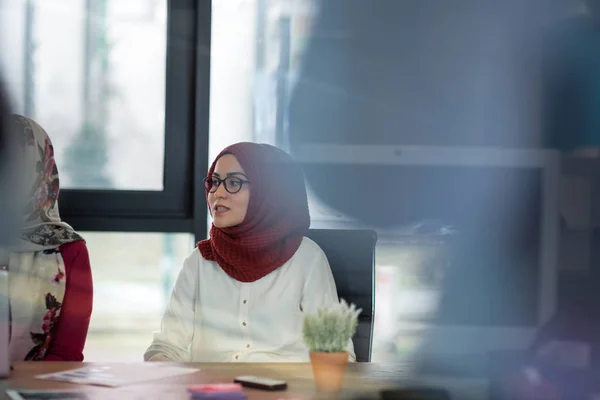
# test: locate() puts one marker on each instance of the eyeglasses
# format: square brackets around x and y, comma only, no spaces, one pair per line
[232,184]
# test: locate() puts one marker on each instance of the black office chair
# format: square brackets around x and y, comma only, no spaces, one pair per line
[351,254]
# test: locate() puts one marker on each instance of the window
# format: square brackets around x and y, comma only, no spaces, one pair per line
[117,101]
[253,68]
[133,277]
[132,70]
[101,96]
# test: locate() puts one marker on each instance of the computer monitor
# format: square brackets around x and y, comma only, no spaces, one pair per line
[500,284]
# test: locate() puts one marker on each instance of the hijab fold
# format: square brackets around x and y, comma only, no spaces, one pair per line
[42,227]
[37,272]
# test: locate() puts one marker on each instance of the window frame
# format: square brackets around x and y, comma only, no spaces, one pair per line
[181,205]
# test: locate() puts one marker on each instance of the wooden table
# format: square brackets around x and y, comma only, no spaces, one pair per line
[361,378]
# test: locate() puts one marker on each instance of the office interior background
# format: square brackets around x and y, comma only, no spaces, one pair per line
[139,95]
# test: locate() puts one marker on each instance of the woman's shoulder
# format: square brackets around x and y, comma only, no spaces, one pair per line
[75,257]
[78,245]
[71,250]
[310,245]
[311,259]
[195,260]
[309,249]
[195,257]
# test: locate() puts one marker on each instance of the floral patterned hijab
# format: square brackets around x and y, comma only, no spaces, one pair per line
[42,227]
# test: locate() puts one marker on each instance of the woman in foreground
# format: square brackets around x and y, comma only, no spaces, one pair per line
[50,279]
[240,294]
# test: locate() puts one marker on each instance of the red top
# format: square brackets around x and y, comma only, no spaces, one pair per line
[74,320]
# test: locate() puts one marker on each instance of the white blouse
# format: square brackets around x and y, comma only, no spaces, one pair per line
[212,317]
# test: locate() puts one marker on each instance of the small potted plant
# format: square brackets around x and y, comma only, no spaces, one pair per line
[327,334]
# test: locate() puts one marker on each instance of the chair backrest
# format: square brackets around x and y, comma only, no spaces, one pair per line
[351,255]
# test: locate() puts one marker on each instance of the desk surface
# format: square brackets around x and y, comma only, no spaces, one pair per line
[361,378]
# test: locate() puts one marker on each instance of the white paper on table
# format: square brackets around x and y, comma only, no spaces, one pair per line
[114,375]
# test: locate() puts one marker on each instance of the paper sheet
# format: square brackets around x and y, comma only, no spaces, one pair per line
[114,375]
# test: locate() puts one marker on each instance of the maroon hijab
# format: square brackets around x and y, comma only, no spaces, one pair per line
[276,221]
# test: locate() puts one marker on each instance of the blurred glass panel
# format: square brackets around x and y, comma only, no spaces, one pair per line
[409,272]
[253,68]
[92,73]
[133,277]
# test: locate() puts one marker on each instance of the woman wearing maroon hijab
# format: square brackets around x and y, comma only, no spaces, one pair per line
[240,295]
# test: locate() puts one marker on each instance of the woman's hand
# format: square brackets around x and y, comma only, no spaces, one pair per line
[160,358]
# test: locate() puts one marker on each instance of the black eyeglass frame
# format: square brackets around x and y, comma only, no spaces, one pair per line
[212,188]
